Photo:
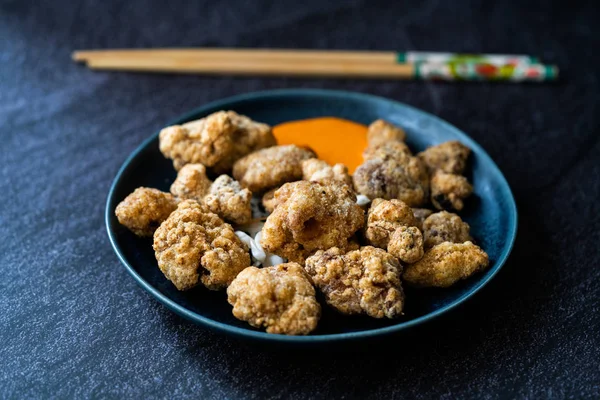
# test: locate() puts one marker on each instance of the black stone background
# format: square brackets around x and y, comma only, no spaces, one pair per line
[74,324]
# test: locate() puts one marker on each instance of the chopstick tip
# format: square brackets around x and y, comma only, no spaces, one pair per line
[78,56]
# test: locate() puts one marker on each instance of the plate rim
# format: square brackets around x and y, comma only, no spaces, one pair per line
[263,336]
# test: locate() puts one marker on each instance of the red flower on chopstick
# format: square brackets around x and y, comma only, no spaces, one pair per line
[488,70]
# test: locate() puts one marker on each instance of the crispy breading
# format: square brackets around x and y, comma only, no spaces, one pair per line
[217,141]
[384,217]
[388,151]
[271,167]
[228,200]
[311,216]
[445,227]
[406,244]
[191,182]
[195,246]
[364,281]
[450,157]
[279,298]
[224,197]
[393,179]
[317,170]
[268,200]
[144,210]
[448,191]
[382,131]
[445,264]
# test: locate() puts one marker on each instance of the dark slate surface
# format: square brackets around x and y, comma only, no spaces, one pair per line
[73,323]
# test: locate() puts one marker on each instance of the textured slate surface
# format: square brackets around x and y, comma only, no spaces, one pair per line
[74,324]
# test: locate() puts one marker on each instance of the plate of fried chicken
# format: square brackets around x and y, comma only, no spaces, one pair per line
[248,236]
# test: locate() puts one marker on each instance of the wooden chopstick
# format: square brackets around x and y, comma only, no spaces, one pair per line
[388,57]
[316,68]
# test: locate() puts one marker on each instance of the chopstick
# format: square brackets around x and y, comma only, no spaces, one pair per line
[388,57]
[256,67]
[320,63]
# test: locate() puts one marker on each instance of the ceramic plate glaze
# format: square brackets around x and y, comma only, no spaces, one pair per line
[491,213]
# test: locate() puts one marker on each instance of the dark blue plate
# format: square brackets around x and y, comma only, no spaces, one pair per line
[491,212]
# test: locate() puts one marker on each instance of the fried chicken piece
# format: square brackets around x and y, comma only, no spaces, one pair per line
[445,227]
[364,281]
[224,197]
[191,183]
[195,246]
[271,167]
[217,141]
[450,157]
[386,142]
[388,151]
[421,214]
[318,170]
[449,190]
[406,244]
[384,217]
[445,264]
[144,210]
[268,200]
[311,216]
[280,298]
[229,201]
[382,131]
[393,179]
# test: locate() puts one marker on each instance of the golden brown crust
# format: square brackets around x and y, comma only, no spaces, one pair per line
[319,171]
[450,157]
[268,200]
[144,210]
[421,214]
[365,281]
[445,227]
[216,141]
[311,216]
[391,179]
[194,246]
[228,200]
[384,217]
[382,131]
[406,244]
[448,191]
[388,151]
[271,167]
[191,183]
[445,264]
[224,197]
[280,298]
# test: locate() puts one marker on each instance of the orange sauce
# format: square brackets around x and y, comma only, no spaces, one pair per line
[335,140]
